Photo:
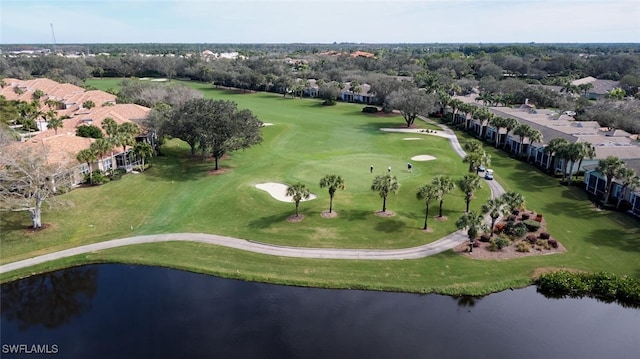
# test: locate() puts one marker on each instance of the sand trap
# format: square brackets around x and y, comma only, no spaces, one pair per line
[423,158]
[267,124]
[411,138]
[279,191]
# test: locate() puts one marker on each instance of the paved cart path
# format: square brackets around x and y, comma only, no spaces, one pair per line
[441,245]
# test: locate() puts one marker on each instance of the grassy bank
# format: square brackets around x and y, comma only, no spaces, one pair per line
[307,141]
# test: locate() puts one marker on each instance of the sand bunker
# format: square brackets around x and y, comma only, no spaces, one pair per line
[423,158]
[418,131]
[267,124]
[411,138]
[279,191]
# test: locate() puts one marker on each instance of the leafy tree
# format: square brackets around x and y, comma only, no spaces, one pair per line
[411,103]
[609,167]
[385,184]
[333,183]
[215,126]
[28,181]
[474,223]
[616,94]
[143,150]
[443,186]
[469,184]
[298,192]
[494,208]
[90,131]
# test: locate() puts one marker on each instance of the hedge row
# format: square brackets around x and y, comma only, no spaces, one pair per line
[603,286]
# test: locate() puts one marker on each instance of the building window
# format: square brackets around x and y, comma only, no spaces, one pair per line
[107,164]
[84,169]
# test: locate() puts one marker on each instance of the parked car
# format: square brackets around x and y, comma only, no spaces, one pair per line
[481,168]
[488,174]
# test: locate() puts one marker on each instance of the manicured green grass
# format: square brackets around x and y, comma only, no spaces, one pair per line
[308,141]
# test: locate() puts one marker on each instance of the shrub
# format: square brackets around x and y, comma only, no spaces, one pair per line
[370,109]
[117,174]
[499,243]
[485,238]
[515,212]
[525,216]
[498,228]
[523,247]
[97,177]
[515,229]
[532,239]
[604,286]
[553,243]
[544,244]
[90,131]
[512,218]
[532,225]
[545,235]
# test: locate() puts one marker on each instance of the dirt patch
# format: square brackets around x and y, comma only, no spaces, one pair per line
[295,219]
[385,214]
[219,171]
[327,214]
[441,219]
[31,230]
[428,230]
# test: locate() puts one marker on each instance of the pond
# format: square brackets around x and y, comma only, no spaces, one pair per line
[121,311]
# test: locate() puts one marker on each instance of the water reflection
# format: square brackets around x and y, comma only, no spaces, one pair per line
[147,312]
[50,299]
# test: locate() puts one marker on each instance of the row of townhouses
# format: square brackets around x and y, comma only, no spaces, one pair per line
[62,145]
[551,124]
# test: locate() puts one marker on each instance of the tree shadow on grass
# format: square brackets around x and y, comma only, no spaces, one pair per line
[181,169]
[15,221]
[375,127]
[390,226]
[627,240]
[355,215]
[268,221]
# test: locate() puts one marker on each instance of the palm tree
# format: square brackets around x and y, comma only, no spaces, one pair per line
[628,178]
[476,159]
[469,184]
[298,191]
[609,167]
[88,104]
[334,183]
[571,153]
[513,200]
[473,146]
[470,110]
[534,136]
[522,131]
[101,147]
[53,121]
[384,184]
[143,150]
[126,136]
[427,193]
[87,156]
[443,185]
[552,149]
[510,124]
[586,150]
[498,122]
[494,208]
[110,126]
[474,223]
[455,106]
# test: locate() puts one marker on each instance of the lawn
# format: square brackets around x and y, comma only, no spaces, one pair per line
[306,142]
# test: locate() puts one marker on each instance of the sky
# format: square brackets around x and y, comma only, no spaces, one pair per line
[319,21]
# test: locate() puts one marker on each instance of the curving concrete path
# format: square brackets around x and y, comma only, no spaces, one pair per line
[441,245]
